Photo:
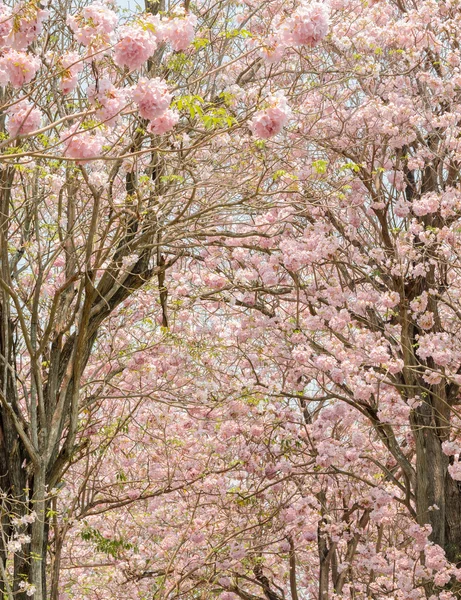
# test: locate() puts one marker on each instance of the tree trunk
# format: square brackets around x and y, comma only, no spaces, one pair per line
[438,496]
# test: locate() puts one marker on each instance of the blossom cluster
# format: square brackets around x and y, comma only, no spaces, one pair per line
[109,101]
[307,26]
[153,100]
[18,68]
[72,65]
[95,27]
[22,25]
[81,145]
[23,118]
[270,121]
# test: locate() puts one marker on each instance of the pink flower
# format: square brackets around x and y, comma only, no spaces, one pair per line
[197,537]
[435,557]
[93,25]
[427,204]
[23,118]
[81,145]
[455,471]
[6,23]
[271,50]
[267,123]
[390,299]
[152,97]
[19,67]
[426,320]
[164,123]
[256,431]
[450,448]
[109,100]
[155,26]
[72,65]
[134,48]
[308,25]
[180,31]
[432,377]
[28,24]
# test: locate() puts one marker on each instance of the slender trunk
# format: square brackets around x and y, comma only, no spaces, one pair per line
[37,557]
[438,496]
[55,567]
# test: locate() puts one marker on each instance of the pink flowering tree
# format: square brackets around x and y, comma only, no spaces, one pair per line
[107,119]
[229,300]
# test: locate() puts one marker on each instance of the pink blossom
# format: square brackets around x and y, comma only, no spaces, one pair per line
[164,123]
[269,122]
[94,24]
[419,304]
[256,431]
[272,50]
[134,48]
[426,320]
[432,377]
[6,22]
[72,65]
[427,204]
[455,471]
[450,448]
[310,536]
[442,578]
[81,145]
[19,67]
[435,557]
[109,101]
[390,299]
[152,97]
[439,346]
[28,24]
[308,25]
[402,208]
[155,25]
[180,31]
[197,537]
[23,118]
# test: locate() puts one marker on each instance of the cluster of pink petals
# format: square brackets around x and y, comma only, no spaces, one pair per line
[18,68]
[135,47]
[6,23]
[180,31]
[164,123]
[28,23]
[455,471]
[450,448]
[152,97]
[94,25]
[426,204]
[272,50]
[109,100]
[307,26]
[153,100]
[72,65]
[81,145]
[23,118]
[269,122]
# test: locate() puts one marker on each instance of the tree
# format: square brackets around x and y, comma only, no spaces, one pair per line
[97,202]
[230,300]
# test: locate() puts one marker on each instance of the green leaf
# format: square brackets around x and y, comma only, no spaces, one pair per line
[320,166]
